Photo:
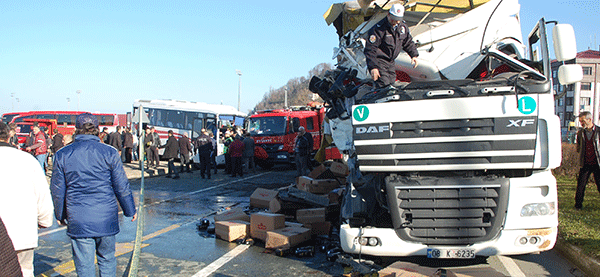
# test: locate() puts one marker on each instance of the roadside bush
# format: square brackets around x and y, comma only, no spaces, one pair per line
[569,166]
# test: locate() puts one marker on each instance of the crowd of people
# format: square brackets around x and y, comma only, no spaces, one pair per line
[87,186]
[88,166]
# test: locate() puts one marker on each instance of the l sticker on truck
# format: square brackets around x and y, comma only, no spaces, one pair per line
[361,113]
[527,105]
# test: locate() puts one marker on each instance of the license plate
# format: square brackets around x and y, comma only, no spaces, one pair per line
[463,253]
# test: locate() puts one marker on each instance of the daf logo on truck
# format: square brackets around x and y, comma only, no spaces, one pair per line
[520,123]
[372,129]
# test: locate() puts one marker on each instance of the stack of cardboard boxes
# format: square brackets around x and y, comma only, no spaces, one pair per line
[270,225]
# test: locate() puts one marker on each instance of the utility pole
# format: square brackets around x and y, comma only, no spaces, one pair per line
[78,93]
[239,73]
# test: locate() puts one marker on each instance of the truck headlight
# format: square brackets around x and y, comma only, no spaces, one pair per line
[280,147]
[538,209]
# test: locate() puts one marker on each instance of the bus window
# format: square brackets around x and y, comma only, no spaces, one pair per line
[190,117]
[239,121]
[157,117]
[65,119]
[107,120]
[45,116]
[175,119]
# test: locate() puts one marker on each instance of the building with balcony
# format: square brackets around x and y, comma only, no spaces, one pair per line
[583,96]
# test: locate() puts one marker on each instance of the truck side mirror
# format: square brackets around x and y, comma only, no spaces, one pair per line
[569,74]
[565,49]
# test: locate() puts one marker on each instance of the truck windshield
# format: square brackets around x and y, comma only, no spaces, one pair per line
[267,126]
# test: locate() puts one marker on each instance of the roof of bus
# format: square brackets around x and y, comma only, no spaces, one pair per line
[188,106]
[55,112]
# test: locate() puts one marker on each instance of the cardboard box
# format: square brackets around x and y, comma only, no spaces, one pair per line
[339,169]
[260,198]
[319,228]
[321,172]
[310,215]
[293,224]
[232,230]
[287,237]
[235,213]
[261,222]
[315,186]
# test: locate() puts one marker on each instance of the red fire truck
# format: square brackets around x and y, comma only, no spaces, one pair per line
[275,131]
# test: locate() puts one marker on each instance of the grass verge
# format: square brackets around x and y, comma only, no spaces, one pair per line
[579,228]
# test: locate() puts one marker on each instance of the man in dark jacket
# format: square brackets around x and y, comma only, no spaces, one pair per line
[185,148]
[248,153]
[588,140]
[384,42]
[171,152]
[88,180]
[301,152]
[204,147]
[128,144]
[114,140]
[57,141]
[152,144]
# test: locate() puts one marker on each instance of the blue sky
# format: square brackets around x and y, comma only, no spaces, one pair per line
[117,51]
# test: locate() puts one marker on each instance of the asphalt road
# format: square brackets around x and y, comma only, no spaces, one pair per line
[173,246]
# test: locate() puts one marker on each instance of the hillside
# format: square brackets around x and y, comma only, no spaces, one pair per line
[297,91]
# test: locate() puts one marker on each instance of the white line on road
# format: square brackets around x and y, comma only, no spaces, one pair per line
[214,266]
[165,200]
[512,267]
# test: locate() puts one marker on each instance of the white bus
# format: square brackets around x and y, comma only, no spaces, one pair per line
[190,117]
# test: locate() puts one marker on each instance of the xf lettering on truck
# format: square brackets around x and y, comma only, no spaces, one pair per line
[520,123]
[372,129]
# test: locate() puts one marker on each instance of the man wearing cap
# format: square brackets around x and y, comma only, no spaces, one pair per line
[88,185]
[384,42]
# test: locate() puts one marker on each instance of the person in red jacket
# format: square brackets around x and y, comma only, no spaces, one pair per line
[236,150]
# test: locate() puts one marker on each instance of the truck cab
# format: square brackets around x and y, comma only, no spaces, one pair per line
[276,130]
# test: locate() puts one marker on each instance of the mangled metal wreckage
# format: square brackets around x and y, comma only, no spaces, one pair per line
[454,159]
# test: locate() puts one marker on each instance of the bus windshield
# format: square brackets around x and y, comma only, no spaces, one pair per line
[267,126]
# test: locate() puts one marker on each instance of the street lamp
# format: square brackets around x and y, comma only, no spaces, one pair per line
[68,104]
[12,100]
[78,93]
[239,73]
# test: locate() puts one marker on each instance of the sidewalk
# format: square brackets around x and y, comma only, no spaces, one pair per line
[590,266]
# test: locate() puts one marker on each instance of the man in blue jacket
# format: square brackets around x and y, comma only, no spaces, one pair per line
[87,181]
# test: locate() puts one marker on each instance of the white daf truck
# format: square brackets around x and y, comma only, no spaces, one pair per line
[454,162]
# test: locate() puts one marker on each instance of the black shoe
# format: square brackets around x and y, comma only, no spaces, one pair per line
[203,176]
[578,208]
[176,177]
[168,176]
[208,177]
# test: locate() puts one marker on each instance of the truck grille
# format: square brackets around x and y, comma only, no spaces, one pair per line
[452,211]
[459,144]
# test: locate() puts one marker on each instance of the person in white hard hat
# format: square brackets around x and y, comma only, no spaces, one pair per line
[384,42]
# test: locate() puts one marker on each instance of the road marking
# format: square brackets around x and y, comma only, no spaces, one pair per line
[214,266]
[45,233]
[510,266]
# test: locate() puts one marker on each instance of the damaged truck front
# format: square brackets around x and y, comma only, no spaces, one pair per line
[454,160]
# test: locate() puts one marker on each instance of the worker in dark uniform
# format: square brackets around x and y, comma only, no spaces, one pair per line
[384,42]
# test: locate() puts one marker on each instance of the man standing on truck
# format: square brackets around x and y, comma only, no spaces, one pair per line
[384,42]
[587,146]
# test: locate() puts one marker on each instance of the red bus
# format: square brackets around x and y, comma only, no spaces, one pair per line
[7,117]
[66,119]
